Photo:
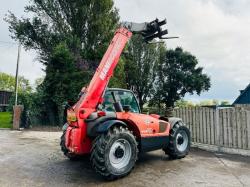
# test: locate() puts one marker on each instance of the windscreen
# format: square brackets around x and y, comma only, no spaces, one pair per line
[125,97]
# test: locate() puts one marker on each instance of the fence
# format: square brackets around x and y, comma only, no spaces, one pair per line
[228,128]
[243,106]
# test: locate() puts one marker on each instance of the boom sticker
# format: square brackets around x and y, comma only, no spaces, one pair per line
[114,53]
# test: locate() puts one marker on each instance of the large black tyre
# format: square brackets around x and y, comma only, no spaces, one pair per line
[65,150]
[179,141]
[114,153]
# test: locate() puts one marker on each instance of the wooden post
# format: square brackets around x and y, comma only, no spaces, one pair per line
[208,125]
[230,128]
[211,113]
[217,127]
[224,127]
[234,126]
[17,69]
[193,125]
[248,129]
[204,125]
[238,127]
[17,117]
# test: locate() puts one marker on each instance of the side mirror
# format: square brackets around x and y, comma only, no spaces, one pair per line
[126,108]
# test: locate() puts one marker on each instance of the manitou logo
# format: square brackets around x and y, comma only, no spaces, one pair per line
[110,60]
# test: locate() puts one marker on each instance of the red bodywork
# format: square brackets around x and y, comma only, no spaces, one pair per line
[77,140]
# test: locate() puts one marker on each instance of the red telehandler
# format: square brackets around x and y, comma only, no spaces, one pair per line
[108,123]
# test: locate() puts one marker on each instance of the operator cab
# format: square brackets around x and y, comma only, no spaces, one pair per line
[116,100]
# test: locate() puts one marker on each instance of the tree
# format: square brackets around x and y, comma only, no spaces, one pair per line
[224,103]
[81,29]
[118,79]
[211,102]
[140,67]
[87,26]
[7,83]
[178,74]
[184,103]
[58,82]
[38,81]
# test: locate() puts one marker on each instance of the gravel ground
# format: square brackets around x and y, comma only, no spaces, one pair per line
[33,158]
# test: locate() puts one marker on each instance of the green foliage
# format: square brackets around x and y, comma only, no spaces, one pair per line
[70,38]
[178,75]
[183,103]
[88,23]
[225,103]
[7,83]
[5,119]
[59,84]
[211,102]
[38,81]
[118,79]
[25,99]
[140,67]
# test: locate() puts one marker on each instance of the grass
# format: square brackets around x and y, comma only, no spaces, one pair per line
[5,120]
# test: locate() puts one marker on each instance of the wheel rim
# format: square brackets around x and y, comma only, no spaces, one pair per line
[182,140]
[120,153]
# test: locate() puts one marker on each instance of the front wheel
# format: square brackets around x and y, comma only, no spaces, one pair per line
[114,154]
[179,141]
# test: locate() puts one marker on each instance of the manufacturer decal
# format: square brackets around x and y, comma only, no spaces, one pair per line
[107,65]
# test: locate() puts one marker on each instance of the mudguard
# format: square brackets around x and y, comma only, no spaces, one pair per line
[94,121]
[173,121]
[105,126]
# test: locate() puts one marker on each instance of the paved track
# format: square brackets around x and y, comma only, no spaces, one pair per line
[33,158]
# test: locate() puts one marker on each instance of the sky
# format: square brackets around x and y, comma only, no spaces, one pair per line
[29,67]
[217,32]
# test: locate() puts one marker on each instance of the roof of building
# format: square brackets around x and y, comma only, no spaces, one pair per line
[242,93]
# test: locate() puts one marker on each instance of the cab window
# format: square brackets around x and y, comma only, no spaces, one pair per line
[108,102]
[125,97]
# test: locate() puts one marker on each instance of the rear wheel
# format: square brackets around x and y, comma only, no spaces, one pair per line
[114,154]
[64,149]
[179,142]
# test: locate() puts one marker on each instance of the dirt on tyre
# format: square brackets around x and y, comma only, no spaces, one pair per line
[179,141]
[114,153]
[65,150]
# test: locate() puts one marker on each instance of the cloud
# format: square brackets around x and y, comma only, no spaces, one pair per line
[217,32]
[29,67]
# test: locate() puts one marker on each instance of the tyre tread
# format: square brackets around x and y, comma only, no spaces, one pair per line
[170,149]
[98,152]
